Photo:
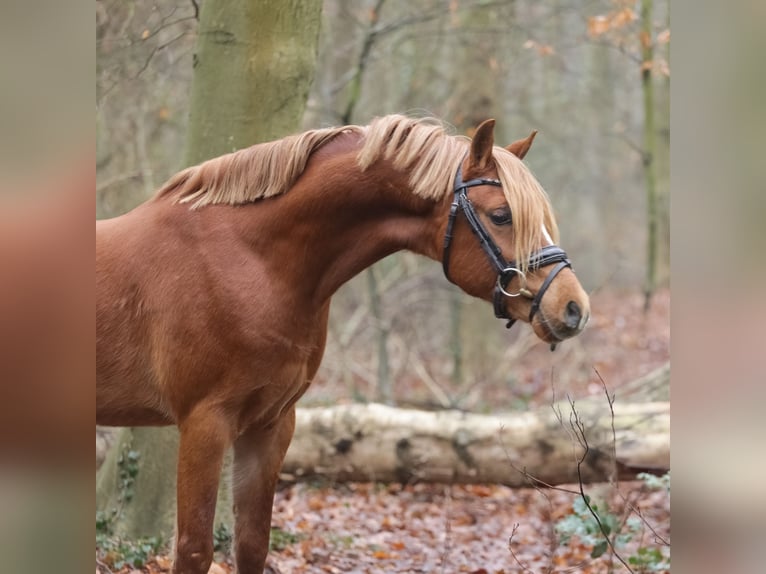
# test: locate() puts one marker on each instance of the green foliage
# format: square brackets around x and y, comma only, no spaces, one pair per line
[127,471]
[655,482]
[316,483]
[281,539]
[114,551]
[222,538]
[341,541]
[649,560]
[105,520]
[582,524]
[117,552]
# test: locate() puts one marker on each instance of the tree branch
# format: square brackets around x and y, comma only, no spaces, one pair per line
[578,428]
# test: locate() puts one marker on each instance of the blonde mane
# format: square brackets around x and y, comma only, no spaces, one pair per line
[530,207]
[259,171]
[421,146]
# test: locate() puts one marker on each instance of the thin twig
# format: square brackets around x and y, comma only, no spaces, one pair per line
[101,564]
[164,26]
[532,480]
[524,567]
[578,427]
[610,402]
[629,504]
[436,389]
[154,51]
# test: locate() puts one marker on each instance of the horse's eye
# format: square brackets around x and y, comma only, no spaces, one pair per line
[501,217]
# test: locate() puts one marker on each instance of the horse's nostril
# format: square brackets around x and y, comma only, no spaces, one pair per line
[573,315]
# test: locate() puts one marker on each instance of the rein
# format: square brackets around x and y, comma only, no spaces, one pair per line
[506,270]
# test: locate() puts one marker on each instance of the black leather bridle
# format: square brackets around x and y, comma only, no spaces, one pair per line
[506,270]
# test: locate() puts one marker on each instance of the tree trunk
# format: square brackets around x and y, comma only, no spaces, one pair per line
[380,443]
[456,342]
[647,57]
[136,487]
[253,68]
[385,390]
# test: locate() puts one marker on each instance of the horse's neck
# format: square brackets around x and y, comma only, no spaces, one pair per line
[336,222]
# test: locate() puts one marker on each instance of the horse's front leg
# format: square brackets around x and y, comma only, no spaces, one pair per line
[258,457]
[205,436]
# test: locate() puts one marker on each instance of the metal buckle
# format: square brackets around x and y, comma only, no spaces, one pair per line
[522,279]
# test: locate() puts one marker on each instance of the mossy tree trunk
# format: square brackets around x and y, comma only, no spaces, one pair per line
[135,487]
[253,66]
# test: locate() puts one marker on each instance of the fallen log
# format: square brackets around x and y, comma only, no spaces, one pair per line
[374,442]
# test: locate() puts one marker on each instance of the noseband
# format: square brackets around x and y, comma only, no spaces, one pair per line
[506,270]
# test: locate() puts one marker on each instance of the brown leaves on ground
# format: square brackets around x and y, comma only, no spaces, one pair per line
[372,528]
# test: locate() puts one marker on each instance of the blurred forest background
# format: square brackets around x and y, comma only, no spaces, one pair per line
[591,75]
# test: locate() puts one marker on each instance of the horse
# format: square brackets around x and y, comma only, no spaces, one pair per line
[213,296]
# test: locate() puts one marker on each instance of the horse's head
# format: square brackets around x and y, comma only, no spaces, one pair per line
[500,241]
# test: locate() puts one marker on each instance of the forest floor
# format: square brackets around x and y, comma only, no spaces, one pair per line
[476,529]
[482,529]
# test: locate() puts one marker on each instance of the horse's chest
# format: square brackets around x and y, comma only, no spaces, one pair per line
[275,396]
[282,370]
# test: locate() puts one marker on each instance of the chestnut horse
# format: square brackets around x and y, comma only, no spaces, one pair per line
[213,296]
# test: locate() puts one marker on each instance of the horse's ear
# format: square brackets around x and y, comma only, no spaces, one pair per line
[481,145]
[520,148]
